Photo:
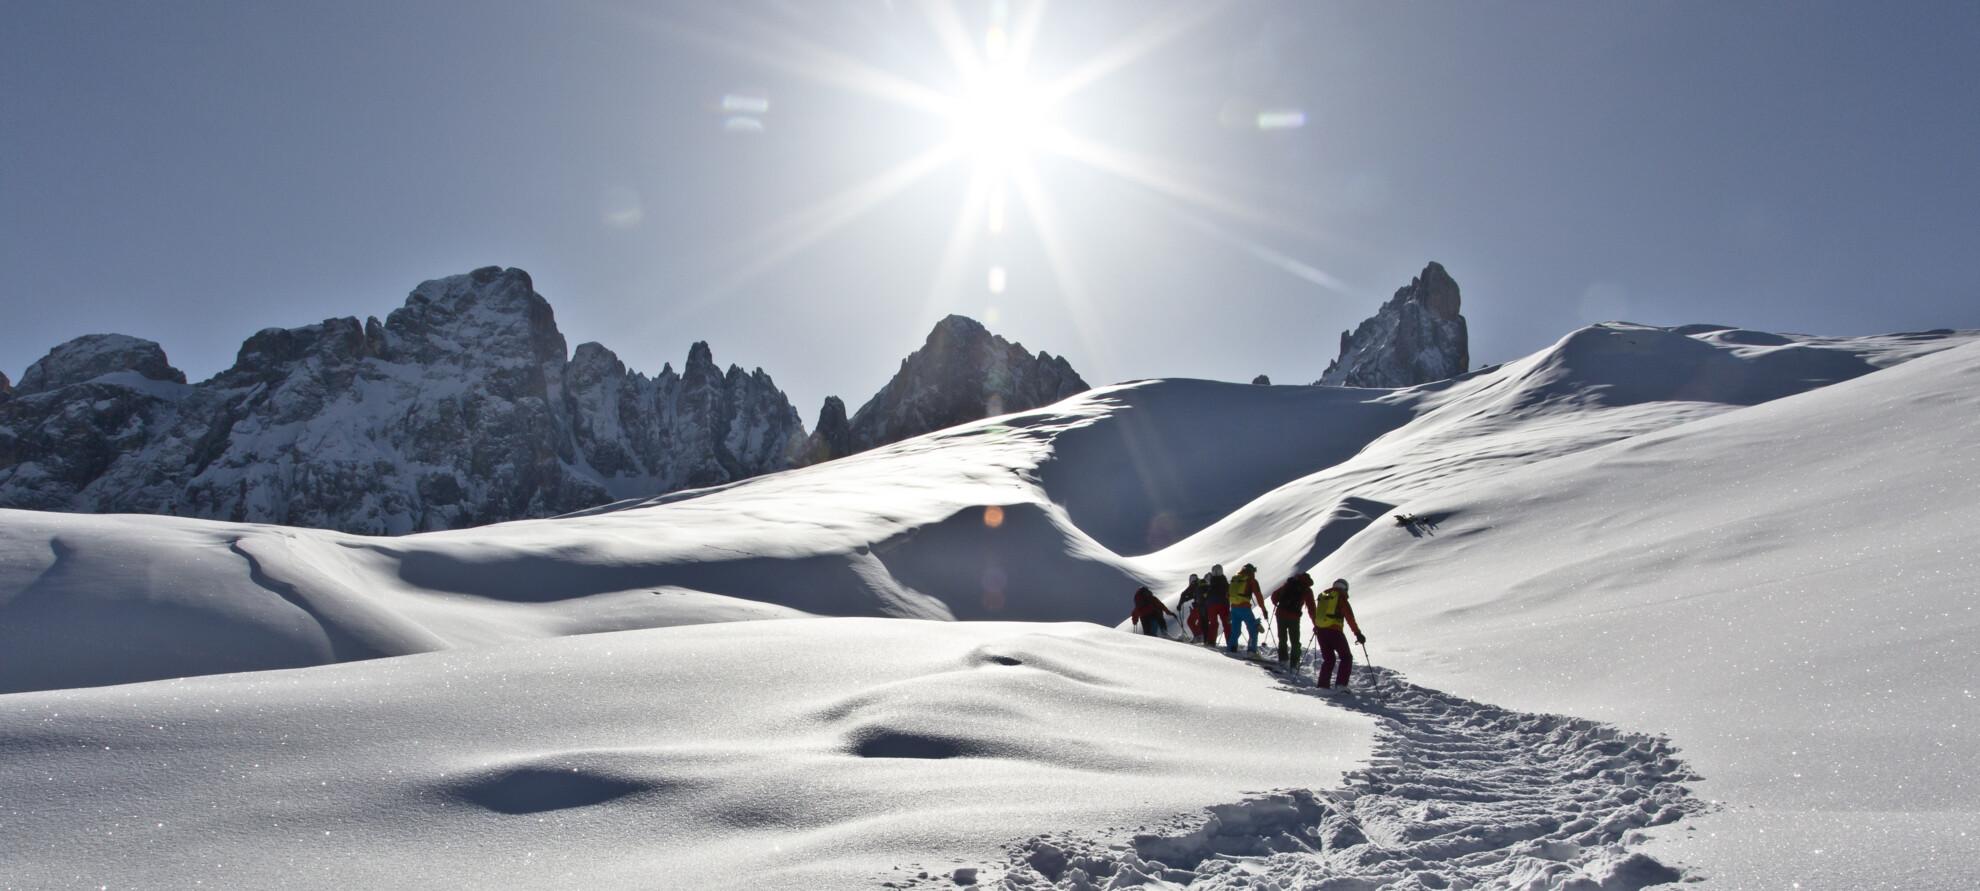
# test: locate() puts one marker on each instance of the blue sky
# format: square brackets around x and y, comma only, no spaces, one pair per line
[194,171]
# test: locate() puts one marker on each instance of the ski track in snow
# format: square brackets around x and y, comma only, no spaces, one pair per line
[1459,794]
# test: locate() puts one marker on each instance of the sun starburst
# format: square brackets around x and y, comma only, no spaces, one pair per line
[1001,121]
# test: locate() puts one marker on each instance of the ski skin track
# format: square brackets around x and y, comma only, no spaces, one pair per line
[1457,794]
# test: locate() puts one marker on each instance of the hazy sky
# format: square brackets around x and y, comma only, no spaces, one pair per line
[1216,190]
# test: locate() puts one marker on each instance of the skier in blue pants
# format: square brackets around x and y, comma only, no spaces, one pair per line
[1244,593]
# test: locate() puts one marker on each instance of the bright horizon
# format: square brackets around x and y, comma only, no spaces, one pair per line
[1194,190]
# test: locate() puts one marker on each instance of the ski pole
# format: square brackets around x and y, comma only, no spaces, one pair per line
[1364,654]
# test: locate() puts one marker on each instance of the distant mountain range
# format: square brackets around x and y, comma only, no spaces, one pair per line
[461,408]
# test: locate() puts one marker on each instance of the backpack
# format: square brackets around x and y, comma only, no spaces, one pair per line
[1286,598]
[1327,604]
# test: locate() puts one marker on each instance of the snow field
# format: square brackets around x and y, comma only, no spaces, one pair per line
[816,753]
[1622,529]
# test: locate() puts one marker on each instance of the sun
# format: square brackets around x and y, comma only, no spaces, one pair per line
[1004,121]
[1001,120]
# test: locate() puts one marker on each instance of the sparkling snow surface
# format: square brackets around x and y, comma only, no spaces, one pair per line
[1688,603]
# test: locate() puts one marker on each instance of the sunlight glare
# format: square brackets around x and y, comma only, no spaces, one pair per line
[1002,120]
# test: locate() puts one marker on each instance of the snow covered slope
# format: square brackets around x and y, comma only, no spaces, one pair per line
[1787,590]
[750,755]
[1718,535]
[1278,476]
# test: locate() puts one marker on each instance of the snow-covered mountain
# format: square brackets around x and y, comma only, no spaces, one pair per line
[962,373]
[460,409]
[1750,553]
[1417,337]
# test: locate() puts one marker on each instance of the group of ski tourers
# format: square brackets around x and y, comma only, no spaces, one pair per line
[1213,603]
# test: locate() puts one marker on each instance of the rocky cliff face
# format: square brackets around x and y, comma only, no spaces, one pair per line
[1417,337]
[961,373]
[459,409]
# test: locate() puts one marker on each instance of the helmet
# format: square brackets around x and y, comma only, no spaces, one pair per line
[1250,568]
[1193,578]
[1217,569]
[1341,584]
[1304,578]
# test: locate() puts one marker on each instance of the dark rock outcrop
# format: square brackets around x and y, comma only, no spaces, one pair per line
[962,373]
[77,412]
[95,355]
[832,437]
[459,409]
[1417,337]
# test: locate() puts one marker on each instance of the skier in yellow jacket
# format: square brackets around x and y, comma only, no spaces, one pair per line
[1332,610]
[1244,592]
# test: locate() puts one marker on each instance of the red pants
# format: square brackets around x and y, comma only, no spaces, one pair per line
[1219,613]
[1332,641]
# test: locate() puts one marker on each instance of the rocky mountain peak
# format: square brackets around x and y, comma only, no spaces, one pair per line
[832,438]
[489,316]
[459,409]
[962,373]
[701,369]
[1419,336]
[95,355]
[1436,290]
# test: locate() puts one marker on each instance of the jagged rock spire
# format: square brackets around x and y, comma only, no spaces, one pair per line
[1417,337]
[962,373]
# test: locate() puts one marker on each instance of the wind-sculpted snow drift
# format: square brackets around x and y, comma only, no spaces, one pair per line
[1713,535]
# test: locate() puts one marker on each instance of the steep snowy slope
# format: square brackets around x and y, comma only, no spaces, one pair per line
[1597,385]
[1788,590]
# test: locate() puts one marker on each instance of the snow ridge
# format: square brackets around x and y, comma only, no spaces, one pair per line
[1460,794]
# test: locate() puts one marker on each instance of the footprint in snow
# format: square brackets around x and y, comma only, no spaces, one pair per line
[1458,795]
